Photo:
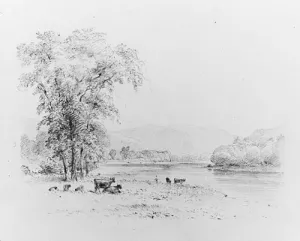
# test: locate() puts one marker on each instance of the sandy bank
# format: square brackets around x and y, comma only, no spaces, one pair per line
[145,210]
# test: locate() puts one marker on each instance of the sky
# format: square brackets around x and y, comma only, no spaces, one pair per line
[227,64]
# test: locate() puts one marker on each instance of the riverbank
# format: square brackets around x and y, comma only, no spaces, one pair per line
[144,210]
[248,169]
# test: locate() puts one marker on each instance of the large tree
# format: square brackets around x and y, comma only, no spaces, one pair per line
[74,78]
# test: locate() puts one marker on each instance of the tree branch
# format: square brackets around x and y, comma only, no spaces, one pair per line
[101,87]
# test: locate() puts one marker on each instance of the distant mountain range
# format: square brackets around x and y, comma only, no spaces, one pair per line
[179,140]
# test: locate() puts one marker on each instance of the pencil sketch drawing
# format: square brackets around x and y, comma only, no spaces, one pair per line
[143,121]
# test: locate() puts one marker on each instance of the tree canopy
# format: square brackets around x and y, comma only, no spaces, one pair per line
[74,78]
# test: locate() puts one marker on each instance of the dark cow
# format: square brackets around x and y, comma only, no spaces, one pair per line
[53,189]
[113,189]
[168,180]
[100,183]
[79,189]
[66,187]
[179,180]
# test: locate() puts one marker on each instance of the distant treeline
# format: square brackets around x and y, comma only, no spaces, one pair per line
[35,151]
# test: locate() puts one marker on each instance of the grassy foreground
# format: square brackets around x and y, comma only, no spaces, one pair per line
[145,210]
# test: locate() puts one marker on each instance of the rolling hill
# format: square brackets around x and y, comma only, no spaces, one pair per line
[179,140]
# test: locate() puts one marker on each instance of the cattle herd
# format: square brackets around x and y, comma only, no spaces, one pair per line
[106,185]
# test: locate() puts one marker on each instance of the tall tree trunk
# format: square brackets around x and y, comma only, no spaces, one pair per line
[73,163]
[65,167]
[81,163]
[86,166]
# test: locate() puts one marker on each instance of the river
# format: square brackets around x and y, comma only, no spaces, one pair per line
[262,186]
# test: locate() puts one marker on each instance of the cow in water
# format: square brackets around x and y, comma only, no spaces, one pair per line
[179,180]
[168,180]
[100,183]
[113,189]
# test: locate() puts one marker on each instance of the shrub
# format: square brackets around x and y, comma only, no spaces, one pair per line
[250,151]
[112,154]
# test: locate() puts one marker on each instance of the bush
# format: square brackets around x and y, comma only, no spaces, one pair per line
[252,155]
[249,151]
[51,166]
[112,154]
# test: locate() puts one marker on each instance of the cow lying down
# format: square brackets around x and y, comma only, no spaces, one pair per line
[101,183]
[113,189]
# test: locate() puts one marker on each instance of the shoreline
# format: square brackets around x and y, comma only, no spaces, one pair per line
[254,169]
[142,208]
[237,169]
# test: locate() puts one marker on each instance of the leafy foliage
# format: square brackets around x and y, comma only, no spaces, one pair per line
[124,152]
[112,154]
[74,78]
[258,149]
[26,147]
